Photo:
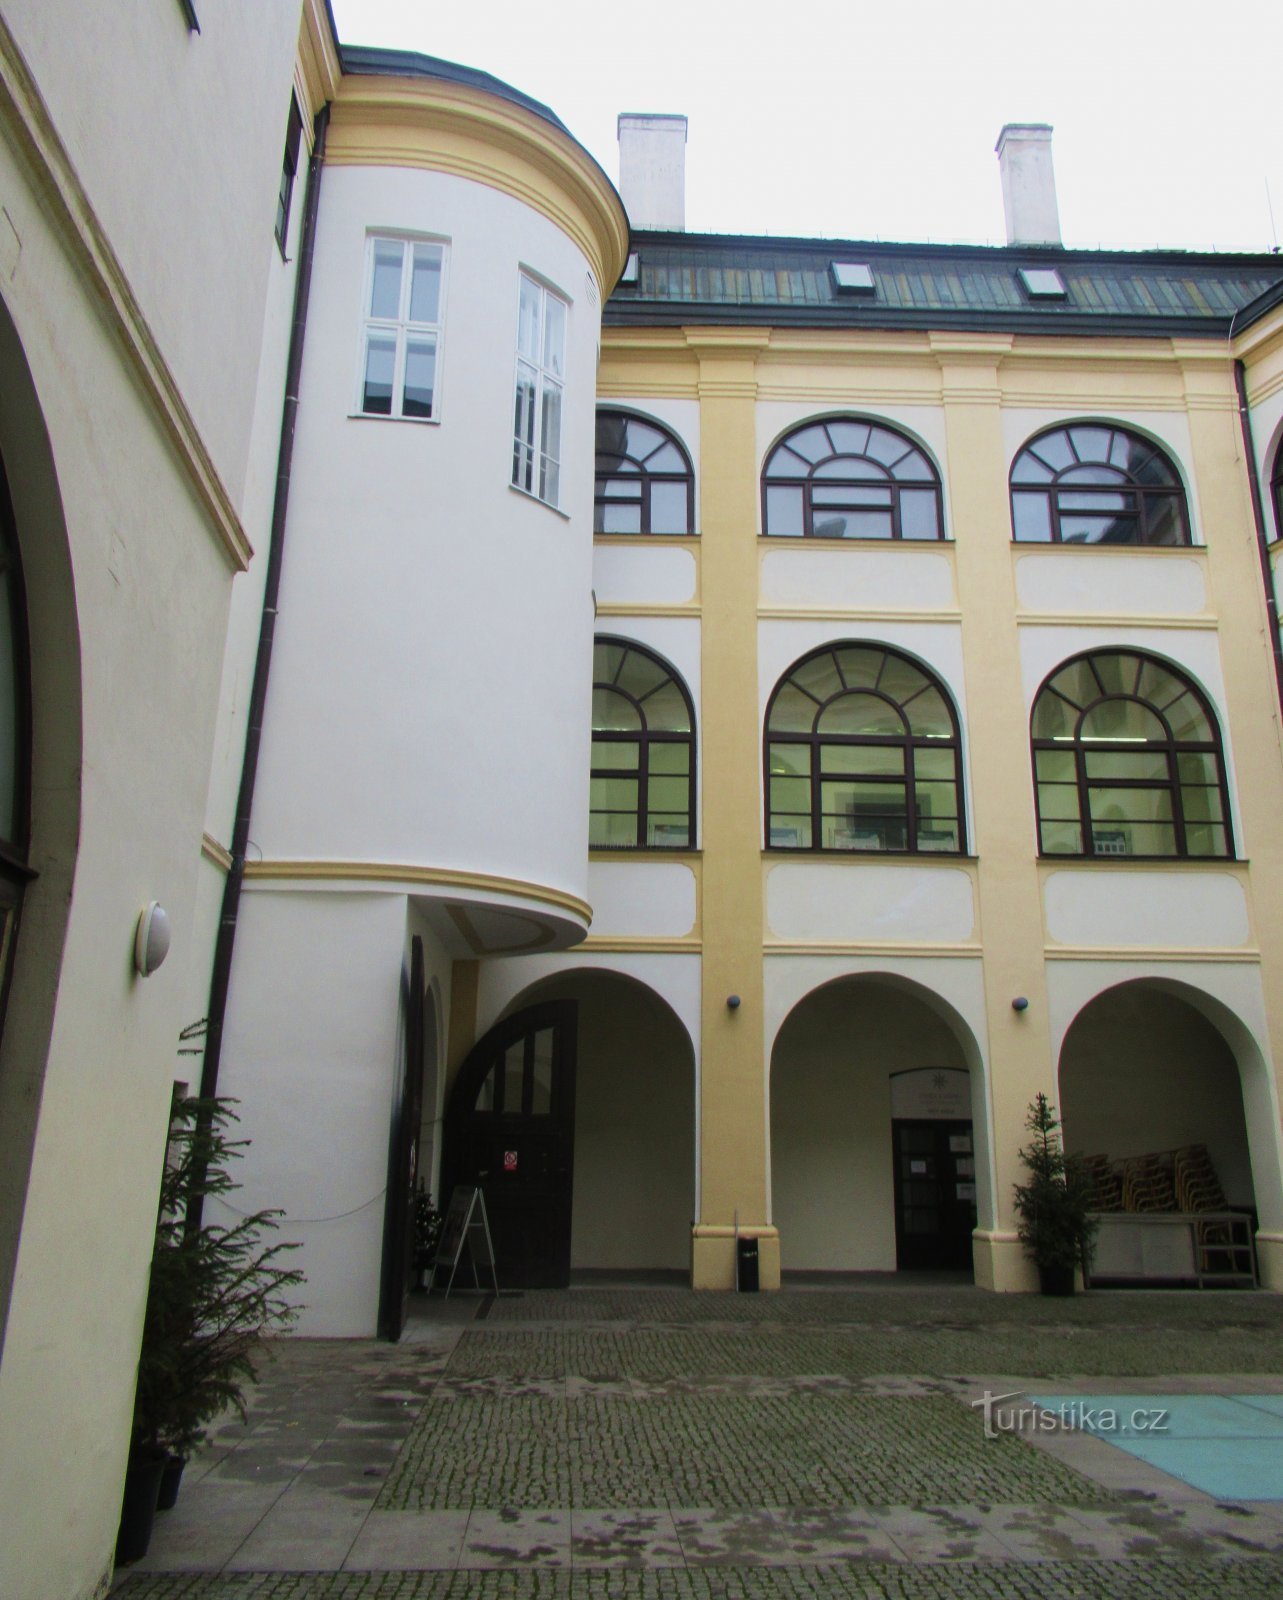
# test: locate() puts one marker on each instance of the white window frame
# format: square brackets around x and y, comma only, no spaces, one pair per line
[539,397]
[402,329]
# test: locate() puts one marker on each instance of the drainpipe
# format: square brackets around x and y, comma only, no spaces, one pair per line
[220,978]
[1258,516]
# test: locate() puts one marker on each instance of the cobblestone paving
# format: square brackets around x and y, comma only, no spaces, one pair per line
[726,1450]
[665,1445]
[1106,1580]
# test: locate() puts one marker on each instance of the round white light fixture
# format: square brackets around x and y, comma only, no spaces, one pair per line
[151,942]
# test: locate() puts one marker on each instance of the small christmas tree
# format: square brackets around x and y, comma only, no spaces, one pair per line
[1055,1227]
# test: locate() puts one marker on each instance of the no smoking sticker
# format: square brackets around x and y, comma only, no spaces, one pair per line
[510,1161]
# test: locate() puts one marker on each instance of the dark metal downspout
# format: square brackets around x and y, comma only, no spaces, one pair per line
[220,977]
[1258,515]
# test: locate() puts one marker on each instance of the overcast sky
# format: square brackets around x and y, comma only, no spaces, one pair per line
[866,120]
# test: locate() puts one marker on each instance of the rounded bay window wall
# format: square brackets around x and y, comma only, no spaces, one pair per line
[845,478]
[1128,762]
[645,482]
[14,739]
[1091,483]
[863,753]
[443,484]
[643,752]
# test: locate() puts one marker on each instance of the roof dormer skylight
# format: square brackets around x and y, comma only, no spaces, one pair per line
[1042,283]
[853,277]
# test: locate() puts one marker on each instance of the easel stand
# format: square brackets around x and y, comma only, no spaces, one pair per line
[466,1224]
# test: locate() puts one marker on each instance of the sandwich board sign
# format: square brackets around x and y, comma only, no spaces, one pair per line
[466,1223]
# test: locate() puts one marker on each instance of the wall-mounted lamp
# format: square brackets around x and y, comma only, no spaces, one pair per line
[151,942]
[732,1002]
[1020,1003]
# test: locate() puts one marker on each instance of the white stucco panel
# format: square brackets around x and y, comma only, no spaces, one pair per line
[643,576]
[1146,909]
[870,904]
[861,579]
[649,899]
[1081,582]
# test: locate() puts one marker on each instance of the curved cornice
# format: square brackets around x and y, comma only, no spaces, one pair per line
[453,128]
[384,872]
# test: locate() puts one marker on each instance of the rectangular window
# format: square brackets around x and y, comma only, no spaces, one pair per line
[541,370]
[289,166]
[400,349]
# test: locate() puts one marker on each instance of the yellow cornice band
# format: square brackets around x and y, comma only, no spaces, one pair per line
[435,877]
[451,128]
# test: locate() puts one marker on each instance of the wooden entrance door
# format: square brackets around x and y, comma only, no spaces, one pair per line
[935,1194]
[510,1127]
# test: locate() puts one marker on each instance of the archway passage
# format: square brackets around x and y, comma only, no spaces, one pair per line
[1151,1095]
[873,1161]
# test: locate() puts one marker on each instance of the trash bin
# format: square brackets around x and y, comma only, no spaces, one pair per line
[746,1265]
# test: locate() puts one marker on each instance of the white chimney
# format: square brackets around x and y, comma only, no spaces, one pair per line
[1028,183]
[652,170]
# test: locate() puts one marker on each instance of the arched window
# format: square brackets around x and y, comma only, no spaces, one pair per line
[644,478]
[1276,491]
[845,479]
[1093,484]
[643,752]
[1127,761]
[862,753]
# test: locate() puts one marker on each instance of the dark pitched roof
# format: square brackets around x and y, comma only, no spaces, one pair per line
[366,59]
[725,278]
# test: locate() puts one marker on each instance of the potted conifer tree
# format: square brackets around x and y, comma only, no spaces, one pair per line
[1055,1227]
[216,1291]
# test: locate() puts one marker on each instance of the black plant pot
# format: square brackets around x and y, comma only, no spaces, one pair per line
[1057,1280]
[170,1478]
[138,1507]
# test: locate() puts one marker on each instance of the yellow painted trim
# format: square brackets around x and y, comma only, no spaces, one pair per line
[648,541]
[64,200]
[642,944]
[452,128]
[1109,619]
[375,872]
[607,608]
[851,614]
[851,947]
[318,71]
[215,852]
[685,858]
[728,1230]
[1068,952]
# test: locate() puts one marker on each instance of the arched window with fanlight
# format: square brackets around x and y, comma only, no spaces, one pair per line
[643,752]
[644,479]
[1091,483]
[863,753]
[1276,491]
[844,478]
[1127,761]
[14,740]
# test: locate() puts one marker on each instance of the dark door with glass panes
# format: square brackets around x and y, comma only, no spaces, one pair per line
[935,1195]
[510,1128]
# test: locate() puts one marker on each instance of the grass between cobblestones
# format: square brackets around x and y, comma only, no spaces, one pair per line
[1049,1580]
[726,1452]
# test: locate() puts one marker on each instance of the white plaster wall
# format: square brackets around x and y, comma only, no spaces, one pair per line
[203,116]
[833,1196]
[640,576]
[312,1052]
[642,899]
[869,904]
[680,417]
[1146,908]
[923,424]
[1082,581]
[1143,1072]
[436,626]
[858,578]
[1169,429]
